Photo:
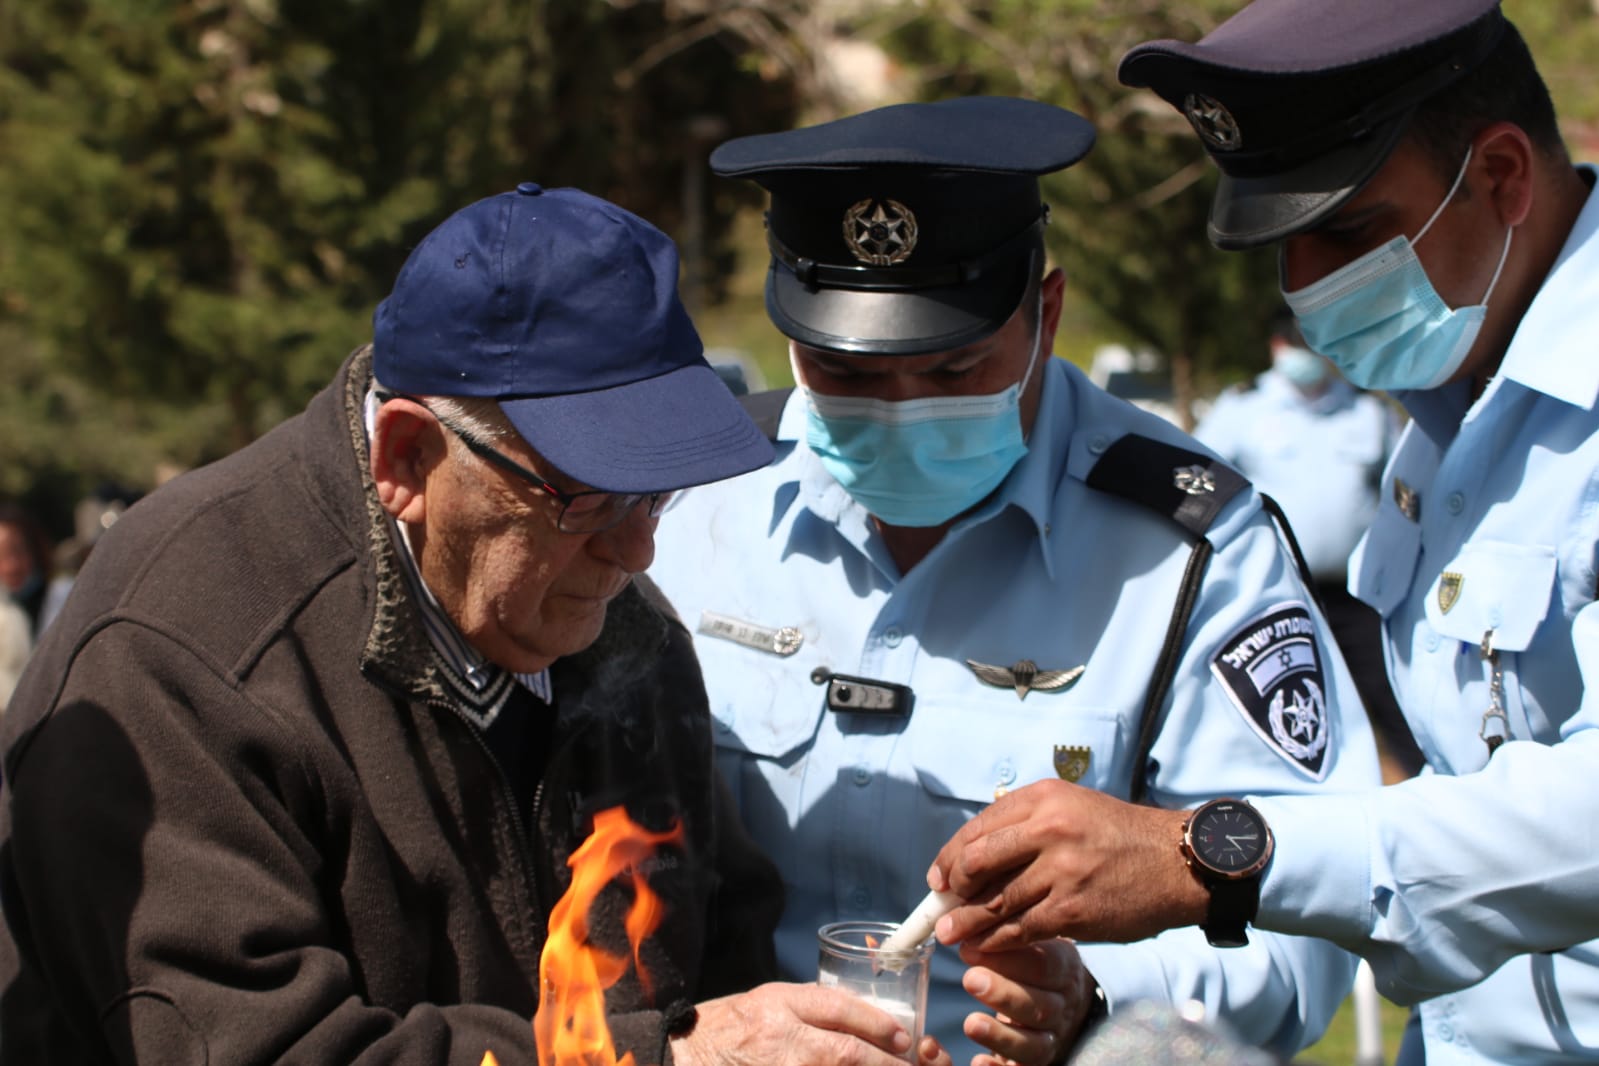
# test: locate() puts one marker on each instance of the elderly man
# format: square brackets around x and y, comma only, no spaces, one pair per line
[1436,240]
[970,569]
[305,770]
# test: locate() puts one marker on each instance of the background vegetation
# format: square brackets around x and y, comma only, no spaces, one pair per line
[203,199]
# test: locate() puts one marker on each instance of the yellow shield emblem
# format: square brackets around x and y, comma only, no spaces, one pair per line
[1449,590]
[1071,763]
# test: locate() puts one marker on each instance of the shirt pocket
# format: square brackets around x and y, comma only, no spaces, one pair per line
[758,717]
[1497,586]
[968,752]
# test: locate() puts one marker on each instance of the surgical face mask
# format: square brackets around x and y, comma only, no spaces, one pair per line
[1301,366]
[1381,321]
[921,462]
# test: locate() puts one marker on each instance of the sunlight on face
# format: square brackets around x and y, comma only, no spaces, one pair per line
[520,590]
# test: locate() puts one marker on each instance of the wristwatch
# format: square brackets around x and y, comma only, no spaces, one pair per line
[1227,845]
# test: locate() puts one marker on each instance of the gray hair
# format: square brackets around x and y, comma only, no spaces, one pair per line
[476,417]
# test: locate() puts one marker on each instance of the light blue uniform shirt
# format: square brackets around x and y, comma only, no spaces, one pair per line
[1321,457]
[853,808]
[1440,880]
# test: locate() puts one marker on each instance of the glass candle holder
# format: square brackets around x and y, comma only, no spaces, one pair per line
[847,958]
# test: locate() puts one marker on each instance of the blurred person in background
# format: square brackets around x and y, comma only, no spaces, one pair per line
[1317,445]
[27,567]
[16,641]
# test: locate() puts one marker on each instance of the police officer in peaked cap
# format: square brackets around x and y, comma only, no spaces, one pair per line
[1436,241]
[958,577]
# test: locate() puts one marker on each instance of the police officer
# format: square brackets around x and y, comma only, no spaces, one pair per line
[1437,241]
[1317,445]
[969,569]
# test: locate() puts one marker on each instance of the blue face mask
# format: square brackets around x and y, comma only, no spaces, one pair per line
[1381,321]
[1301,366]
[920,462]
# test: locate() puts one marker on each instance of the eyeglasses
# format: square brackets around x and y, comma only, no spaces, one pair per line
[590,511]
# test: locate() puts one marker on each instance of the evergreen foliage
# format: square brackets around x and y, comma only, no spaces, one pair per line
[206,198]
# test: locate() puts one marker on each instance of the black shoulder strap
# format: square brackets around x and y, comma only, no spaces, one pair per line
[766,409]
[1191,489]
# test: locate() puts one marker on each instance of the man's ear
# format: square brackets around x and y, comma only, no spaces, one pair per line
[1505,153]
[406,446]
[1054,290]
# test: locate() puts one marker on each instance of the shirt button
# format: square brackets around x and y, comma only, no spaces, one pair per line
[1456,502]
[892,636]
[1098,444]
[1432,641]
[1006,772]
[863,776]
[861,899]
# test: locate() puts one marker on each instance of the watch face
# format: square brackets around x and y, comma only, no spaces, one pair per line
[1230,838]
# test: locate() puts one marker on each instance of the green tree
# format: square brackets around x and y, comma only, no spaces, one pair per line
[205,198]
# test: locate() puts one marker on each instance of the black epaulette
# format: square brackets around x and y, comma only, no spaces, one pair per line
[766,409]
[1191,489]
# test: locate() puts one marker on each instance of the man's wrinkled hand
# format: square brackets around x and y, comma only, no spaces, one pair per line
[797,1025]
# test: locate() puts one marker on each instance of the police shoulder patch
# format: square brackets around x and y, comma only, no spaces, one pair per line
[1272,670]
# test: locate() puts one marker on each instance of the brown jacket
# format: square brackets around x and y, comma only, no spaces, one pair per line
[243,822]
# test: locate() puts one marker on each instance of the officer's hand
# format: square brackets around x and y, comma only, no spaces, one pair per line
[1040,995]
[1055,859]
[797,1025]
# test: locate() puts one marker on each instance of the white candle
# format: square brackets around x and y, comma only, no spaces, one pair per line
[896,952]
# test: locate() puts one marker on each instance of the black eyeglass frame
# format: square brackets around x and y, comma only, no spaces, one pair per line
[623,504]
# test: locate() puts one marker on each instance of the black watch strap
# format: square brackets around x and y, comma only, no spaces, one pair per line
[1232,907]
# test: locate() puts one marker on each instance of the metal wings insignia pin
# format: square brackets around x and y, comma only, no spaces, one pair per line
[1024,676]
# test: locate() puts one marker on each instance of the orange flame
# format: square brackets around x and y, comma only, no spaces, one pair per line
[569,1027]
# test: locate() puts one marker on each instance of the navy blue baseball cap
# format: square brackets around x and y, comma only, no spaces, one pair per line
[908,229]
[1300,102]
[564,308]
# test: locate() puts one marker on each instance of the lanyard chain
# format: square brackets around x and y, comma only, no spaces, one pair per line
[1496,698]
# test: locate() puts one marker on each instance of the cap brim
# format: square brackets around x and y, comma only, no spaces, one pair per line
[679,429]
[903,322]
[1248,212]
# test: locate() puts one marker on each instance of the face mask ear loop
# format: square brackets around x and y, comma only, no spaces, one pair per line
[1038,340]
[1460,177]
[1504,255]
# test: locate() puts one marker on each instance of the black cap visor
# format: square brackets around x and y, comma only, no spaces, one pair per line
[1248,212]
[902,322]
